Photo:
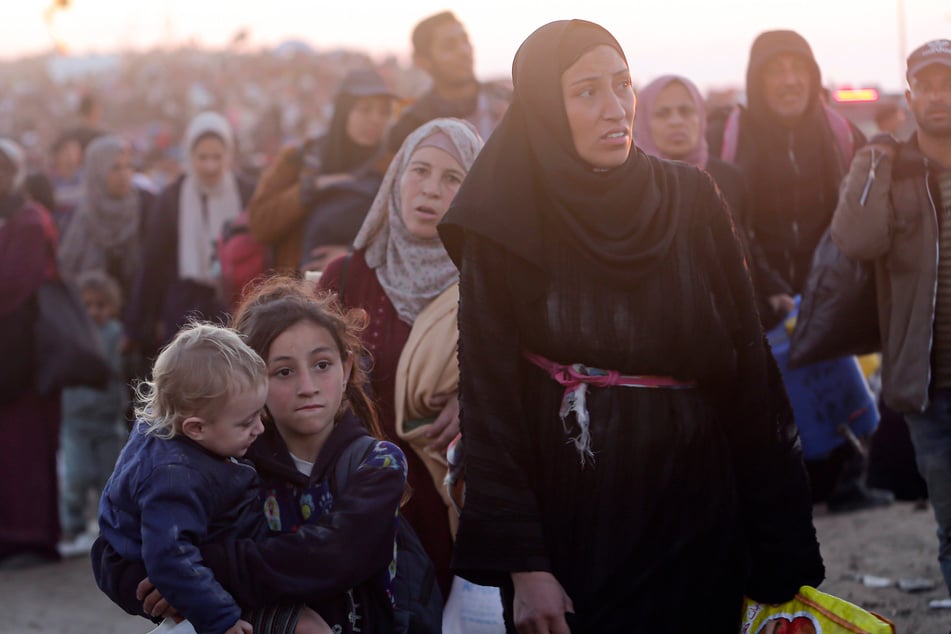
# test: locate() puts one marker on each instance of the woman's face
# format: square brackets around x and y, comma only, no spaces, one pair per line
[599,100]
[119,177]
[367,120]
[427,187]
[209,160]
[306,386]
[675,121]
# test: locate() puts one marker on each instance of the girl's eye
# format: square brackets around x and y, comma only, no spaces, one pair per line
[323,365]
[283,372]
[587,92]
[453,179]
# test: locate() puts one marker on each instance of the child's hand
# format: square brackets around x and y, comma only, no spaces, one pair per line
[241,627]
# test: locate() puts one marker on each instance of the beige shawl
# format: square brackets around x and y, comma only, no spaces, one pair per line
[428,365]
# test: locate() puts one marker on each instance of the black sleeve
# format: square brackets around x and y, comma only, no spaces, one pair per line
[157,267]
[340,550]
[499,530]
[118,577]
[776,503]
[735,189]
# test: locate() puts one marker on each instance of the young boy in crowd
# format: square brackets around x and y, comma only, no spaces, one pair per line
[92,430]
[179,481]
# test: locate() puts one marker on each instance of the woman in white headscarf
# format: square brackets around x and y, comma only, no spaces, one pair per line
[180,272]
[399,270]
[106,231]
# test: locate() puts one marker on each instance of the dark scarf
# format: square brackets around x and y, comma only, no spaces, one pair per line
[529,183]
[805,193]
[337,151]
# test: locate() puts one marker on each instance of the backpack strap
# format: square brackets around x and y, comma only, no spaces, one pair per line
[839,125]
[842,133]
[731,137]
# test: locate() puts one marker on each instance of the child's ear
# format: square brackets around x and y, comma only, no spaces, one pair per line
[347,371]
[194,427]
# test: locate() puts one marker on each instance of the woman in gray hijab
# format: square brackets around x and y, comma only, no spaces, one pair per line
[106,233]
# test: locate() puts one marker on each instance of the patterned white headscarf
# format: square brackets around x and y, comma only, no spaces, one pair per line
[413,271]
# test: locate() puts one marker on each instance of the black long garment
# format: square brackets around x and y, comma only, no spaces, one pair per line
[697,496]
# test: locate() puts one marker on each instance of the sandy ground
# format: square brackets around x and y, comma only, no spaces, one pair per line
[894,543]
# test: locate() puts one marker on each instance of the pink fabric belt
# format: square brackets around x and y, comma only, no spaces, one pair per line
[577,377]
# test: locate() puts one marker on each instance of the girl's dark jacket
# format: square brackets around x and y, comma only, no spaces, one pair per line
[344,547]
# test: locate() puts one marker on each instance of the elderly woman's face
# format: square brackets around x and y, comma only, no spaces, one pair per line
[428,184]
[675,121]
[599,100]
[209,160]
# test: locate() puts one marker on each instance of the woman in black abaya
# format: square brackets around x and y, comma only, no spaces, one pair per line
[631,458]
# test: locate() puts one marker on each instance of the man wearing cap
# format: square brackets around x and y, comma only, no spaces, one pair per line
[896,211]
[794,151]
[441,48]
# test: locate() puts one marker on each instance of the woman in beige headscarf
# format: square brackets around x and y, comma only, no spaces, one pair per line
[402,276]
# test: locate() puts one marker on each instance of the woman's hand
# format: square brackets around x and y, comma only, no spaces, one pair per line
[540,604]
[446,425]
[783,304]
[153,603]
[241,627]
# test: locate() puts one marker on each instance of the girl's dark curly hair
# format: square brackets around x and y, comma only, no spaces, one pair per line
[276,303]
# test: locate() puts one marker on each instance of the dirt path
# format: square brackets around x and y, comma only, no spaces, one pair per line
[894,543]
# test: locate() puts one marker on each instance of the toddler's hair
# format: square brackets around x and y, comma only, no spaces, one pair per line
[195,375]
[101,282]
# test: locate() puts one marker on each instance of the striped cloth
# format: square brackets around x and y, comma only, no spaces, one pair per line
[279,619]
[942,320]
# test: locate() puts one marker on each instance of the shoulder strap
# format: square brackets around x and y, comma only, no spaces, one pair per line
[349,460]
[731,137]
[842,133]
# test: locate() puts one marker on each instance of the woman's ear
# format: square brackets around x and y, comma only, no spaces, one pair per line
[194,428]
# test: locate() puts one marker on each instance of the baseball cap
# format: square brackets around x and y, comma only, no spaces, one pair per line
[933,52]
[365,82]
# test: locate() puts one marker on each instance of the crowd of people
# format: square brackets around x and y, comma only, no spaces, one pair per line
[326,303]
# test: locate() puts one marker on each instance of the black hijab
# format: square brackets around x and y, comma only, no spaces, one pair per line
[340,153]
[529,184]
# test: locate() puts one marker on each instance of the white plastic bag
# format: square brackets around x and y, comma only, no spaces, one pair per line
[472,609]
[169,626]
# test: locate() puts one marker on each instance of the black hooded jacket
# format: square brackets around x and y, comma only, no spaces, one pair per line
[793,171]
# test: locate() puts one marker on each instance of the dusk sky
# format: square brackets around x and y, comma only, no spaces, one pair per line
[855,41]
